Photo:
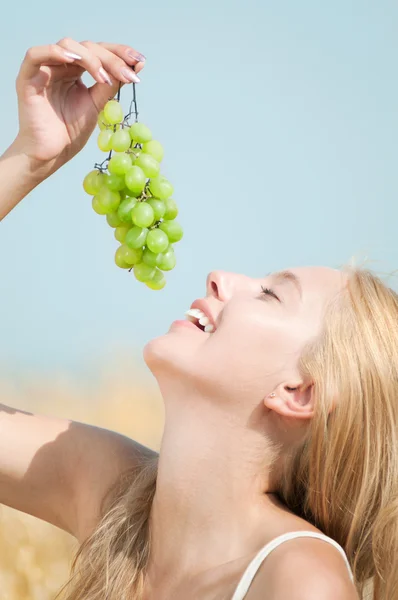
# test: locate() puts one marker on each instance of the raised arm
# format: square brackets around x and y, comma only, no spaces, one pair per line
[18,177]
[56,469]
[60,470]
[57,112]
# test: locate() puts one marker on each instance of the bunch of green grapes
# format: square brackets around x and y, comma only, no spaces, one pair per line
[136,199]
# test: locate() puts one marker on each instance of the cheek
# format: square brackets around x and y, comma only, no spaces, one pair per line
[251,350]
[249,353]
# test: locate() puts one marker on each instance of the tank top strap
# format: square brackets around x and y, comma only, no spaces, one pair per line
[248,576]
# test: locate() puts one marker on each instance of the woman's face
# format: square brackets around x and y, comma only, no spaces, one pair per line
[259,335]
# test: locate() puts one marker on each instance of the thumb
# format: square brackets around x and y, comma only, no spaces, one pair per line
[102,92]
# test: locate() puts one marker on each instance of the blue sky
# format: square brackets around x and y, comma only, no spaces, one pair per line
[279,122]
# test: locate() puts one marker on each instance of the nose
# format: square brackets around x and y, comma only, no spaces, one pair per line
[221,285]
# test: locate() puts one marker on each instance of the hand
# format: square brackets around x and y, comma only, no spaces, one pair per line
[57,112]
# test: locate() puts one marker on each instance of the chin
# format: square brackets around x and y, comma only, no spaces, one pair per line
[174,357]
[154,352]
[165,353]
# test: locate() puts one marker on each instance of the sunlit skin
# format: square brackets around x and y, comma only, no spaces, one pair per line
[214,501]
[215,504]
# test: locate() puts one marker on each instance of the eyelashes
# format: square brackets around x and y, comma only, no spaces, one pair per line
[269,292]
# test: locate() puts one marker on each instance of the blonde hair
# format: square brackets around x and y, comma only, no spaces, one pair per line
[343,478]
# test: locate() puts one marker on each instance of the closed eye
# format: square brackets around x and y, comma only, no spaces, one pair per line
[269,292]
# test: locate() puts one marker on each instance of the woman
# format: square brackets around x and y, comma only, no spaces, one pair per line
[278,470]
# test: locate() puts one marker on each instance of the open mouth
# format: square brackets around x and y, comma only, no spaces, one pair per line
[198,318]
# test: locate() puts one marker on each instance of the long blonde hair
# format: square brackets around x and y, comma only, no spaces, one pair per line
[343,478]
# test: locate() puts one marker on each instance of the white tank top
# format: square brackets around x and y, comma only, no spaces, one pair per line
[255,564]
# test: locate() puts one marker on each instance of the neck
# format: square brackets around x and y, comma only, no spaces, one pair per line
[213,501]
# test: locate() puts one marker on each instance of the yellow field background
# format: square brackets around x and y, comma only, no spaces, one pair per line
[35,557]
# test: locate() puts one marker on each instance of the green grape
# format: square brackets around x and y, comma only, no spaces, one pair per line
[120,263]
[93,182]
[102,122]
[97,206]
[125,208]
[109,200]
[150,258]
[148,164]
[171,209]
[115,183]
[137,255]
[121,232]
[119,164]
[157,282]
[113,112]
[136,237]
[173,230]
[129,255]
[135,152]
[140,133]
[155,149]
[168,260]
[134,168]
[143,272]
[157,241]
[104,140]
[119,259]
[142,215]
[113,219]
[160,187]
[135,179]
[158,206]
[120,140]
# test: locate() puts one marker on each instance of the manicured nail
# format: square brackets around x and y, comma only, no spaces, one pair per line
[104,75]
[72,55]
[130,75]
[136,56]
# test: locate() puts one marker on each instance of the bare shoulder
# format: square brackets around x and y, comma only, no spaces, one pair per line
[303,569]
[102,456]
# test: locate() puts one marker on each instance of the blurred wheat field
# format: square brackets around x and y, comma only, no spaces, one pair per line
[35,557]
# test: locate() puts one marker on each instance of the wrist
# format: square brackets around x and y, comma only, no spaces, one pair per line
[19,174]
[32,171]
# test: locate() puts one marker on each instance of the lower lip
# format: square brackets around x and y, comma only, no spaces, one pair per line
[184,323]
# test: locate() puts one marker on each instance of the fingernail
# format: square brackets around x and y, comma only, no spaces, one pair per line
[72,55]
[104,75]
[136,56]
[130,75]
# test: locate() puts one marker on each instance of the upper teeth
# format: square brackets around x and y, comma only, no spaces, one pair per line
[197,314]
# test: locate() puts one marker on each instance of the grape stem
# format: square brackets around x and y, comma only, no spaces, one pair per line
[133,101]
[100,166]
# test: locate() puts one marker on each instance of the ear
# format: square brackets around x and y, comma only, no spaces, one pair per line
[292,400]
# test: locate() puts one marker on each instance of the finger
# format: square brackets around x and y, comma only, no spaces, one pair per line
[57,73]
[116,66]
[88,60]
[126,53]
[49,55]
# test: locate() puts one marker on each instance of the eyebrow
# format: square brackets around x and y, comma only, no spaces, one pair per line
[283,277]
